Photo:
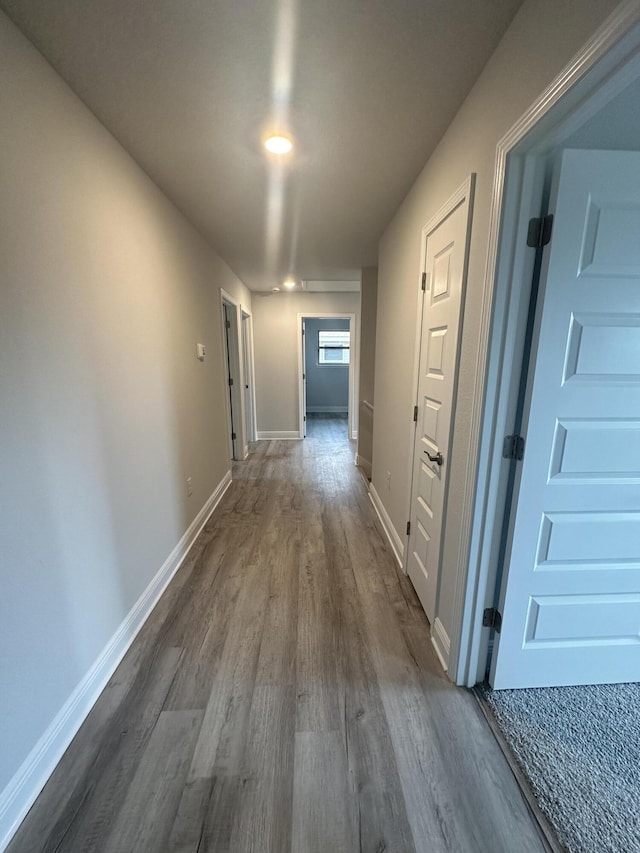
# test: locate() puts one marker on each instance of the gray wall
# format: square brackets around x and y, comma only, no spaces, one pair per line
[275,320]
[368,308]
[543,37]
[105,290]
[327,387]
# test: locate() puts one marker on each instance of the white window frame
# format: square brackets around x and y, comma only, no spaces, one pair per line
[324,364]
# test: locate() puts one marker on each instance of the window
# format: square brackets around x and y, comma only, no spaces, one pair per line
[333,347]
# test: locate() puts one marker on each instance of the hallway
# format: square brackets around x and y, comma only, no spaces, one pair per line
[284,695]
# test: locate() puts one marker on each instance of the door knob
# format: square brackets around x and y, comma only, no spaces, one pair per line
[439,458]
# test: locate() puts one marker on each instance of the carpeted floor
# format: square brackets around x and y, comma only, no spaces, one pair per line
[580,749]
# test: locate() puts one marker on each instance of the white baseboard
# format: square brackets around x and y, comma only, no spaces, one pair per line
[336,410]
[397,545]
[364,464]
[285,435]
[441,643]
[21,792]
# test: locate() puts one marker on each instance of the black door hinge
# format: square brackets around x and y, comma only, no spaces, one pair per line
[513,447]
[424,281]
[233,436]
[230,381]
[227,324]
[539,233]
[415,414]
[492,618]
[408,527]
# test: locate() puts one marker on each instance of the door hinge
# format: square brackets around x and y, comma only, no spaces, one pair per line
[539,233]
[408,527]
[513,447]
[424,281]
[227,324]
[415,414]
[304,375]
[492,618]
[230,381]
[233,436]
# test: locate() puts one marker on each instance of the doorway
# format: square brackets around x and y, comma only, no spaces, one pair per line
[568,597]
[251,432]
[237,343]
[327,355]
[595,111]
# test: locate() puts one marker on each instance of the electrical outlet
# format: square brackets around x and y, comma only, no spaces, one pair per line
[388,481]
[189,487]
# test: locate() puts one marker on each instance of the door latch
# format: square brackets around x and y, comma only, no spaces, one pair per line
[439,458]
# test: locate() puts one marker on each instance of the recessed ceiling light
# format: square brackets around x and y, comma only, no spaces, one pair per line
[275,289]
[289,283]
[278,144]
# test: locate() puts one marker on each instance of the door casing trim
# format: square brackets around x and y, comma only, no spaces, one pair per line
[607,63]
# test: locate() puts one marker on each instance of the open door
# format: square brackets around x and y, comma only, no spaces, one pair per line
[570,601]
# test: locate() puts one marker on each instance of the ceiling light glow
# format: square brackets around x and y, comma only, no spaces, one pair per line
[278,144]
[289,283]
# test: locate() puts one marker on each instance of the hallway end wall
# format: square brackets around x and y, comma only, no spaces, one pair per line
[541,40]
[275,336]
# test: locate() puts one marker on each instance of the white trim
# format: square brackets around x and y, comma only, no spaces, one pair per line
[328,409]
[21,792]
[610,55]
[353,361]
[441,643]
[246,321]
[397,545]
[364,465]
[279,435]
[236,358]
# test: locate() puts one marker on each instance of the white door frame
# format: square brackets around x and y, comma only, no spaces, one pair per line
[353,358]
[602,69]
[236,359]
[248,371]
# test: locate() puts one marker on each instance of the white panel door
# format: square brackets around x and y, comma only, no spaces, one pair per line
[571,601]
[445,265]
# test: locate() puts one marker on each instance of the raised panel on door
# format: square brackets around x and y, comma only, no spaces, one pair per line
[571,601]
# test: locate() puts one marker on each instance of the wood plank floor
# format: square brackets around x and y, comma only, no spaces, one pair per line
[284,696]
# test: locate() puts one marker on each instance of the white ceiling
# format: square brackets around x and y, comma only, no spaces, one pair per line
[365,87]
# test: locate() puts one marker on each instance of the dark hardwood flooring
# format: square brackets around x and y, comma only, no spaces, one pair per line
[284,695]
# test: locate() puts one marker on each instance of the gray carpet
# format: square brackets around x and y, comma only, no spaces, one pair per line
[580,749]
